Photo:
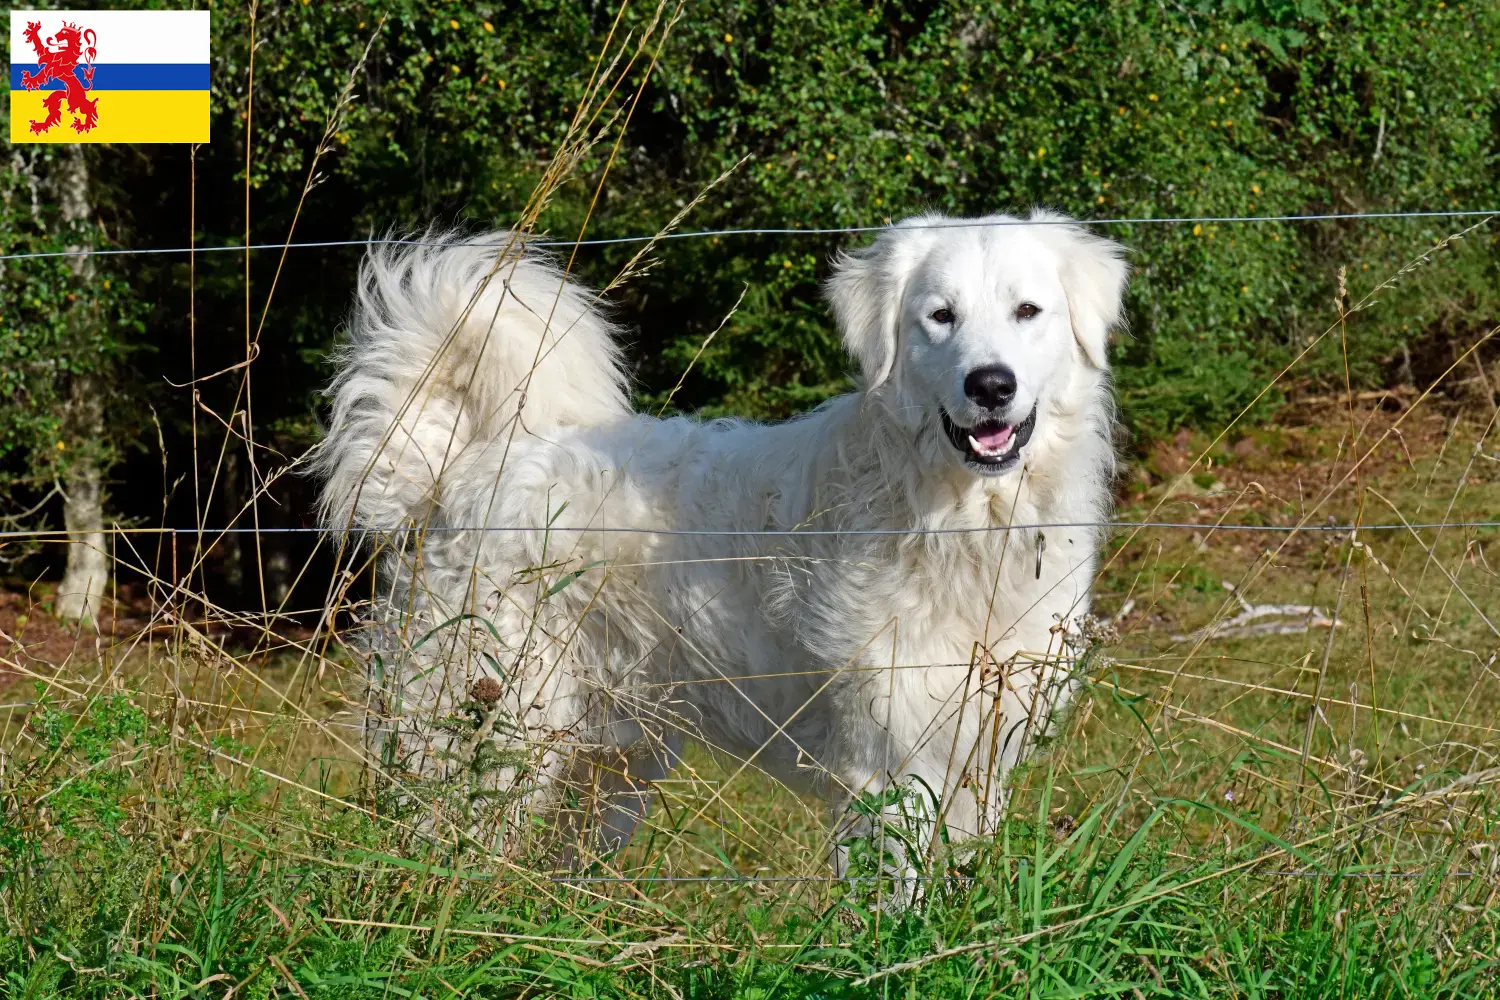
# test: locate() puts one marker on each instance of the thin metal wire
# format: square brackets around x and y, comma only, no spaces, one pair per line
[773,532]
[821,231]
[751,879]
[854,879]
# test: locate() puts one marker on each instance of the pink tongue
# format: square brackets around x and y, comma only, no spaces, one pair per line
[995,438]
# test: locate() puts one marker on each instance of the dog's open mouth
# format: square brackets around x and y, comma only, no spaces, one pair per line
[990,446]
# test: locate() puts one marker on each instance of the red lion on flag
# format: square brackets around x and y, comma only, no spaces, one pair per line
[57,58]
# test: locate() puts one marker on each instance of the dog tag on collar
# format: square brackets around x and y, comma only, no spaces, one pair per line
[1041,546]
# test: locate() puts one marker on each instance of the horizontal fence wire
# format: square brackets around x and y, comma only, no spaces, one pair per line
[798,231]
[737,879]
[62,534]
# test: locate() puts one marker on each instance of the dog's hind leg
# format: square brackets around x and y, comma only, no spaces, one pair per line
[610,785]
[624,780]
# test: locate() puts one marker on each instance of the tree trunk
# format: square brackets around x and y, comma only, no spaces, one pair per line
[80,596]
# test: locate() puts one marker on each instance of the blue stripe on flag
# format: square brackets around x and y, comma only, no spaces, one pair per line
[127,76]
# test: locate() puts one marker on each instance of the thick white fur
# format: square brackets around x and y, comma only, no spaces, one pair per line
[884,640]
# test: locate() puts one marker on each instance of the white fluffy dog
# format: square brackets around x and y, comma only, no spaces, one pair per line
[839,600]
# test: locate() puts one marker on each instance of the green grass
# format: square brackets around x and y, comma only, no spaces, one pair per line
[180,822]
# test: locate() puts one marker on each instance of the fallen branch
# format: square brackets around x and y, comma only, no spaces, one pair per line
[1292,618]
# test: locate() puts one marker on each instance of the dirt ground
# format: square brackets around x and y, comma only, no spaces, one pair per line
[33,641]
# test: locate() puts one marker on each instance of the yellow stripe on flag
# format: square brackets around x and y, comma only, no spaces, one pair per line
[124,116]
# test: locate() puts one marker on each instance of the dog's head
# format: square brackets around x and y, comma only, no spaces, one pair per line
[971,329]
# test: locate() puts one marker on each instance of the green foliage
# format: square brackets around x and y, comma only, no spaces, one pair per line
[1130,110]
[80,770]
[58,323]
[33,324]
[851,114]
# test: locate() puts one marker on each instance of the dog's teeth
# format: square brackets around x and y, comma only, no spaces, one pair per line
[983,451]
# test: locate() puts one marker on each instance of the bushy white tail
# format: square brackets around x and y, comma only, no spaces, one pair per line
[456,344]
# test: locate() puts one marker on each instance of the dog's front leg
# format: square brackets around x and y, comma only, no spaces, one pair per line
[883,837]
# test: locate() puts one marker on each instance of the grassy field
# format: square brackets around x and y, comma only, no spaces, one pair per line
[1303,810]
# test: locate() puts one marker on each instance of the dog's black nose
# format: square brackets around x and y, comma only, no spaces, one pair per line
[992,387]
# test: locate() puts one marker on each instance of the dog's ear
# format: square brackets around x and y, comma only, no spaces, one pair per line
[1094,273]
[866,300]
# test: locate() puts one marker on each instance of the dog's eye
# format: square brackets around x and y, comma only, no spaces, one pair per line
[943,316]
[1026,310]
